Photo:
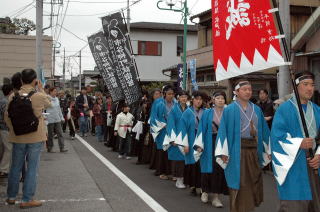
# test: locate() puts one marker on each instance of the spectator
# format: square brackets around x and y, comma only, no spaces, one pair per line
[98,119]
[84,105]
[122,129]
[5,162]
[46,89]
[55,118]
[28,144]
[266,106]
[16,81]
[64,108]
[108,112]
[72,117]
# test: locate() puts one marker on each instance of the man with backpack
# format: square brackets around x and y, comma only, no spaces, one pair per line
[27,133]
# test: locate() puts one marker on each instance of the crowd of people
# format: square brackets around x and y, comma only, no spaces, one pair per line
[198,141]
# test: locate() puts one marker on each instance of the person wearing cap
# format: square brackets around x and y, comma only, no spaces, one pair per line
[188,125]
[242,149]
[212,175]
[158,123]
[174,154]
[292,165]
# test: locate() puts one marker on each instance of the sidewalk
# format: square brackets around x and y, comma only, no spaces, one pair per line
[64,184]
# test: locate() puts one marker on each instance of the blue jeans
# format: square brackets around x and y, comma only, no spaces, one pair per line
[83,122]
[100,133]
[19,154]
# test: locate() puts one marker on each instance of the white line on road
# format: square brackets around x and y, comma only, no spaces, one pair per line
[134,187]
[68,200]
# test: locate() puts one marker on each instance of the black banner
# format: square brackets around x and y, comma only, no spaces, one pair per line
[125,70]
[103,58]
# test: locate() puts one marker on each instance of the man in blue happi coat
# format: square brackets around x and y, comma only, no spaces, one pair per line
[293,168]
[158,123]
[242,149]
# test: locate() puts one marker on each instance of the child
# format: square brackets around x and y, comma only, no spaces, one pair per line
[98,119]
[122,129]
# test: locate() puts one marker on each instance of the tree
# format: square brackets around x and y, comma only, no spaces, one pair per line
[23,26]
[18,26]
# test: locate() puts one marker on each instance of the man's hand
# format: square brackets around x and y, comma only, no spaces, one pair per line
[199,149]
[85,105]
[115,133]
[307,143]
[40,86]
[186,149]
[315,162]
[225,158]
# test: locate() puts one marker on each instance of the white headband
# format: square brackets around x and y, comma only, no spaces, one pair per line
[304,77]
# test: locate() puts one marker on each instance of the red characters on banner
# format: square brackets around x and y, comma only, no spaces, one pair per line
[244,37]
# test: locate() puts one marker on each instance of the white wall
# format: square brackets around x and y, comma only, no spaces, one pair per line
[150,67]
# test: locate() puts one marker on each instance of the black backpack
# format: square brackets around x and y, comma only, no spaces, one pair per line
[21,114]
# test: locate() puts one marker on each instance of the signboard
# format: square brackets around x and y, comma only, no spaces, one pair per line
[103,58]
[245,38]
[124,65]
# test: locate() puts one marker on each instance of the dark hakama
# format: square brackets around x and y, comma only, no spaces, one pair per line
[153,154]
[192,175]
[214,182]
[250,194]
[177,168]
[163,166]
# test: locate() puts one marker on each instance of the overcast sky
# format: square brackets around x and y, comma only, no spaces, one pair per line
[82,19]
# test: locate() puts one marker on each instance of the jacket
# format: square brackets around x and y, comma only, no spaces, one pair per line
[123,124]
[80,103]
[98,117]
[55,115]
[40,101]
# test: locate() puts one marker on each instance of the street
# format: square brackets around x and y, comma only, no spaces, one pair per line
[81,181]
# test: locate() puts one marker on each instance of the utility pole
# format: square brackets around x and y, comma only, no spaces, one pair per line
[39,26]
[64,68]
[80,71]
[54,62]
[284,80]
[128,17]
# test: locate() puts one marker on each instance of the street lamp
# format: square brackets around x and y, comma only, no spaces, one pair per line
[184,11]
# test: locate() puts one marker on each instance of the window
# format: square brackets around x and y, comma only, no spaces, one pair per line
[210,78]
[151,48]
[179,45]
[200,78]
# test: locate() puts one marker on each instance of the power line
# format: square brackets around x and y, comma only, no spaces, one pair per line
[20,9]
[64,16]
[23,12]
[73,34]
[99,2]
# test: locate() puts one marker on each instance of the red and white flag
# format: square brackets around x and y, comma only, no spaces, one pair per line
[245,38]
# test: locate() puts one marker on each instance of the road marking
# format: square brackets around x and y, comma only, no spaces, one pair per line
[134,187]
[67,200]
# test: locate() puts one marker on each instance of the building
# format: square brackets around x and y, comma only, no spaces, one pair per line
[18,52]
[157,46]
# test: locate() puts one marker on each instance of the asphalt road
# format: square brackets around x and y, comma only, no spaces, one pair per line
[80,181]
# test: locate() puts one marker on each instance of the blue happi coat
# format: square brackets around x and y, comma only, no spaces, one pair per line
[174,153]
[158,121]
[187,133]
[205,142]
[229,142]
[289,161]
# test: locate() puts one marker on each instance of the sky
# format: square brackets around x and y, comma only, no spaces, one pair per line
[83,19]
